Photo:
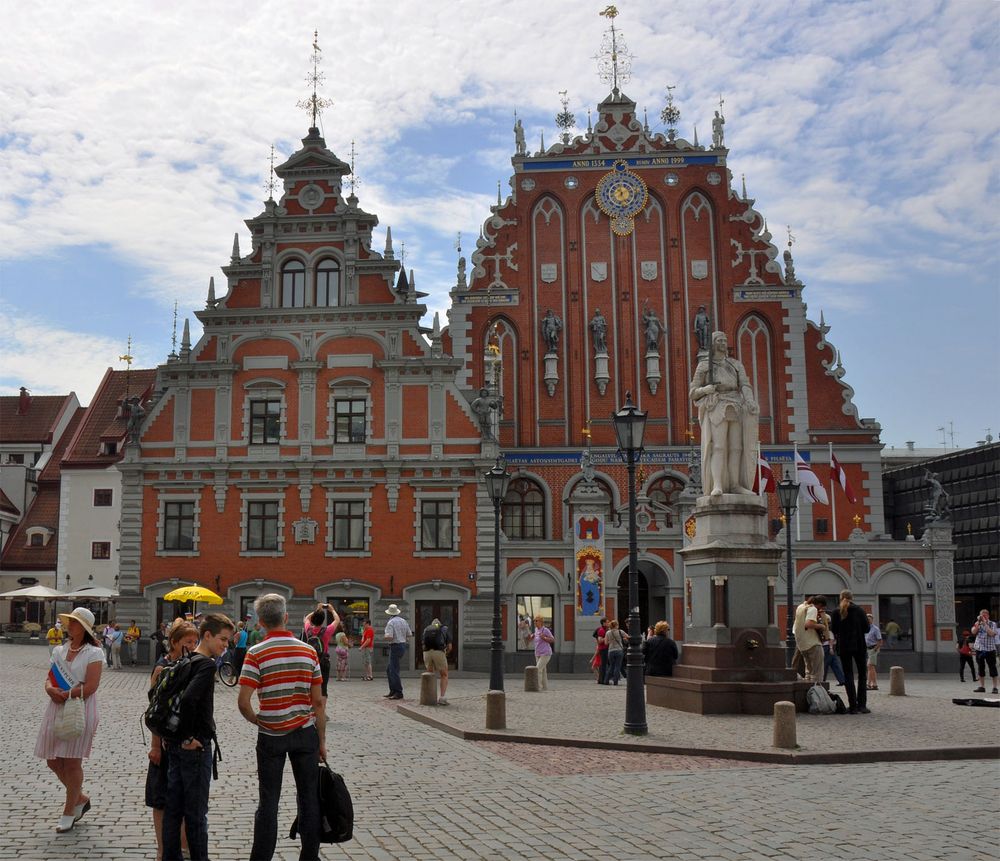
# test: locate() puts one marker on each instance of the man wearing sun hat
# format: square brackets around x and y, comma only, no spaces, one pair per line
[397,632]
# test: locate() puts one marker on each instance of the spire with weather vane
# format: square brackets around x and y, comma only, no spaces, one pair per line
[315,104]
[565,119]
[271,184]
[352,181]
[173,338]
[614,62]
[127,359]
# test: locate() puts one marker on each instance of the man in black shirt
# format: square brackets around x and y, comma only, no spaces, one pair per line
[189,776]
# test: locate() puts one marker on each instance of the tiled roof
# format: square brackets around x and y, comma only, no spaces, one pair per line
[38,421]
[7,505]
[102,422]
[43,511]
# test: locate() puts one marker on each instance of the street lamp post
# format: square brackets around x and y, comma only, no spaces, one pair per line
[497,480]
[788,497]
[630,424]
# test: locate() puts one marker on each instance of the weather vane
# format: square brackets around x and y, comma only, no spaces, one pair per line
[353,182]
[614,62]
[270,185]
[173,338]
[127,359]
[402,254]
[791,238]
[314,104]
[670,114]
[564,119]
[458,242]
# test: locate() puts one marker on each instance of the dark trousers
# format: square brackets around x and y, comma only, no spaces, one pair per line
[831,661]
[238,657]
[602,656]
[962,661]
[614,666]
[302,749]
[857,695]
[189,778]
[396,652]
[984,659]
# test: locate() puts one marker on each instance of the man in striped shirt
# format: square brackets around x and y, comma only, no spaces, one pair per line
[291,722]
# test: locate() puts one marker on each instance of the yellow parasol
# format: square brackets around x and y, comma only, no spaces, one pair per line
[194,592]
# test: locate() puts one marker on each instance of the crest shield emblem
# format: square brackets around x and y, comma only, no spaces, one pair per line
[699,269]
[548,272]
[647,269]
[599,271]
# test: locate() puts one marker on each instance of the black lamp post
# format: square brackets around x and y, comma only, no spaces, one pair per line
[497,480]
[630,424]
[788,499]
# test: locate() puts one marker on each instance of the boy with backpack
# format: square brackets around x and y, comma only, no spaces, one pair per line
[436,647]
[186,695]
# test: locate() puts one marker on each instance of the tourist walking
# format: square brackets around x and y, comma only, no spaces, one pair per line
[190,762]
[850,627]
[543,640]
[435,644]
[873,644]
[75,673]
[54,636]
[602,651]
[132,636]
[291,723]
[986,634]
[965,655]
[397,632]
[240,650]
[615,640]
[117,641]
[659,651]
[183,637]
[106,637]
[367,648]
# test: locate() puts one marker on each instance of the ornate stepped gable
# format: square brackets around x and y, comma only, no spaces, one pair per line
[693,240]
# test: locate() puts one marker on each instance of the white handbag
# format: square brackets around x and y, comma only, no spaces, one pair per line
[68,724]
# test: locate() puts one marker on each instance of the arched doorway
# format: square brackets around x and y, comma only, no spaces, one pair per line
[623,605]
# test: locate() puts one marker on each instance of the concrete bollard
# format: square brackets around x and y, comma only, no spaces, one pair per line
[897,682]
[428,689]
[531,678]
[784,725]
[496,710]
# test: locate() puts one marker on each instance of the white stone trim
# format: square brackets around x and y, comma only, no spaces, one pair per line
[421,496]
[349,495]
[248,496]
[161,522]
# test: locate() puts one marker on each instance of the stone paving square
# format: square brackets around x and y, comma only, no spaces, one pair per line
[421,793]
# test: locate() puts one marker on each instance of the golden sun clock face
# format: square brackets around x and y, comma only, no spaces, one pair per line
[621,195]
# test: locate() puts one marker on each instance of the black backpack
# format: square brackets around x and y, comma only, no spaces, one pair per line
[336,809]
[315,639]
[433,638]
[163,714]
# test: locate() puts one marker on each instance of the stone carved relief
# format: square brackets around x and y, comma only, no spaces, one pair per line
[944,591]
[859,570]
[599,271]
[304,530]
[549,272]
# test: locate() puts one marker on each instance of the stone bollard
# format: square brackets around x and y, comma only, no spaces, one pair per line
[784,725]
[531,678]
[897,682]
[496,710]
[428,689]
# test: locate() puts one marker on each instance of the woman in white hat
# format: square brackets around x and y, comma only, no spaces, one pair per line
[75,672]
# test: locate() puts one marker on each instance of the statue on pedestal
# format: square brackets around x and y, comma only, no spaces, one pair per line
[702,327]
[939,506]
[599,331]
[653,329]
[551,327]
[727,413]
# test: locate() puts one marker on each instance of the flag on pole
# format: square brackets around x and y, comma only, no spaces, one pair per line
[764,481]
[838,475]
[809,481]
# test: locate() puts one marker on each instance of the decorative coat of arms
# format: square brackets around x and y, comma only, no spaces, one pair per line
[548,272]
[304,531]
[699,269]
[599,271]
[647,269]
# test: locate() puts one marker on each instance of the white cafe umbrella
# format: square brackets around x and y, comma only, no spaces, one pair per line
[34,593]
[91,593]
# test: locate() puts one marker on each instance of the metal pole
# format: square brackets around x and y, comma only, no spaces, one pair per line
[635,702]
[496,644]
[789,631]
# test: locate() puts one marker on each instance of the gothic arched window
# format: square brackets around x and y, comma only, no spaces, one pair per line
[664,491]
[327,283]
[293,284]
[523,510]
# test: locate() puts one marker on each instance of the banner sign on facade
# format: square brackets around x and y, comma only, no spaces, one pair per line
[588,547]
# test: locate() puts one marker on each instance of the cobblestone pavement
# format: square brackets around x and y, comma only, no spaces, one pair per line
[423,794]
[575,708]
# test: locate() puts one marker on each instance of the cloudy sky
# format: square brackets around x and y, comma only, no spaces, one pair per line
[134,141]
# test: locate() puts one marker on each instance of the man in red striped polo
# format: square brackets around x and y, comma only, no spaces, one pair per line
[291,722]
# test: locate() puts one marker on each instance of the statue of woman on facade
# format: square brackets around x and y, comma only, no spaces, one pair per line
[599,331]
[653,327]
[727,413]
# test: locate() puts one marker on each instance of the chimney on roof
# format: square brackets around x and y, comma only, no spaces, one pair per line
[23,402]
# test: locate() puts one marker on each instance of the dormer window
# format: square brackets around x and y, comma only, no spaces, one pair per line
[109,448]
[38,536]
[293,284]
[327,283]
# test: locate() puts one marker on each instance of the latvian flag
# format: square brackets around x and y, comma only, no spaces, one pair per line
[809,482]
[838,475]
[764,481]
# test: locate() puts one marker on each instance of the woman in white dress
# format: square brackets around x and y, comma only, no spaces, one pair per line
[75,672]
